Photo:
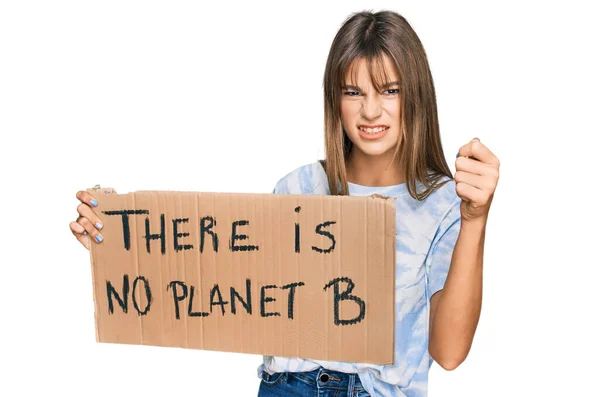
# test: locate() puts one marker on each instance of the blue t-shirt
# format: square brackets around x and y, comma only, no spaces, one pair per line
[426,233]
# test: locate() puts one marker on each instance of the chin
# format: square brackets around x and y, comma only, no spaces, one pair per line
[375,149]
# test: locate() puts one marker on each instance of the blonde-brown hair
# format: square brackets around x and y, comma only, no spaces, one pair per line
[371,36]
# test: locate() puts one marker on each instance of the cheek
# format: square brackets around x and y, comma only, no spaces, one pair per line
[347,114]
[393,109]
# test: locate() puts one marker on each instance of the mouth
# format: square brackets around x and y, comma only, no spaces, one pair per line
[375,132]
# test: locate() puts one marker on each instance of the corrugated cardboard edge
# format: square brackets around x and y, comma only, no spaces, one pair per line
[390,205]
[96,191]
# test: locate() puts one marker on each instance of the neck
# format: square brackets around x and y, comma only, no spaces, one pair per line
[366,170]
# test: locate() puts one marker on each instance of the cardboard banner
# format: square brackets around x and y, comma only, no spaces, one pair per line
[287,275]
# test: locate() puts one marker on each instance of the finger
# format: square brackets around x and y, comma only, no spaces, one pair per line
[91,229]
[463,149]
[477,150]
[471,193]
[86,212]
[86,197]
[77,228]
[80,233]
[474,166]
[477,181]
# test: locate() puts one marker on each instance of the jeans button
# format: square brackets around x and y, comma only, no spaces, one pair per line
[324,378]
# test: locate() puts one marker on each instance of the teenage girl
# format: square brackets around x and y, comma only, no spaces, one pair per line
[382,137]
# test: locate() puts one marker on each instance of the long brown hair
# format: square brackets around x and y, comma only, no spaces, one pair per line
[372,36]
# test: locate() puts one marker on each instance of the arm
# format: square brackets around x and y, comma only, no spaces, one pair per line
[455,309]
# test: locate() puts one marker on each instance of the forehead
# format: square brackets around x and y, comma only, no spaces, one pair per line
[381,71]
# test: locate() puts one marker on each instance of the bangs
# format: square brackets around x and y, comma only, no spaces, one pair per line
[375,66]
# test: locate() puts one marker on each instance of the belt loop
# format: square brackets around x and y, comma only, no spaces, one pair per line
[351,385]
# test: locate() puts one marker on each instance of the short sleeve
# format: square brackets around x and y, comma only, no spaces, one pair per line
[440,256]
[280,187]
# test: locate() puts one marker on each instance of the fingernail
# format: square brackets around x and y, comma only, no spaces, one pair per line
[94,202]
[84,232]
[456,155]
[99,238]
[477,139]
[98,225]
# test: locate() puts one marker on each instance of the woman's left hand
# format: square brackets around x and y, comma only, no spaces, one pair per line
[477,173]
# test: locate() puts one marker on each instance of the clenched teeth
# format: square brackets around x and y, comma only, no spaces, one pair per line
[373,130]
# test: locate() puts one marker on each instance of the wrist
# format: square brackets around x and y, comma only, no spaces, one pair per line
[474,225]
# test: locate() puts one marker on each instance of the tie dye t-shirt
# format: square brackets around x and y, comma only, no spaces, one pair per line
[426,233]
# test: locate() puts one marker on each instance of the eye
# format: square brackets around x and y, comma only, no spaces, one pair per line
[351,93]
[395,89]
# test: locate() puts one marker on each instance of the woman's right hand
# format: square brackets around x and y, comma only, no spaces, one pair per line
[88,223]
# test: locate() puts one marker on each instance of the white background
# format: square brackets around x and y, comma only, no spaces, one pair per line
[206,97]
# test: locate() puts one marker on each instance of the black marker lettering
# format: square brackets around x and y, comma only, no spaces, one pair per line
[110,291]
[297,232]
[125,218]
[148,295]
[264,299]
[221,302]
[176,296]
[291,295]
[149,236]
[327,234]
[235,236]
[178,247]
[191,311]
[337,297]
[247,304]
[208,230]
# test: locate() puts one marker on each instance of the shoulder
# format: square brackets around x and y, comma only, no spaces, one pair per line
[306,179]
[443,201]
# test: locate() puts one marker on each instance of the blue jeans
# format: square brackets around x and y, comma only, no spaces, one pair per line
[320,382]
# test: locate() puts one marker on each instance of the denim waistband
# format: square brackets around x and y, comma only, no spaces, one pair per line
[324,378]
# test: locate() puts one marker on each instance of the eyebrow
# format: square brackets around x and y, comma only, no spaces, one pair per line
[386,85]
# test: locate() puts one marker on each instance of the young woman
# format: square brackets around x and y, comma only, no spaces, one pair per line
[382,137]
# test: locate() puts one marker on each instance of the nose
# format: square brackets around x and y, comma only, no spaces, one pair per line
[371,107]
